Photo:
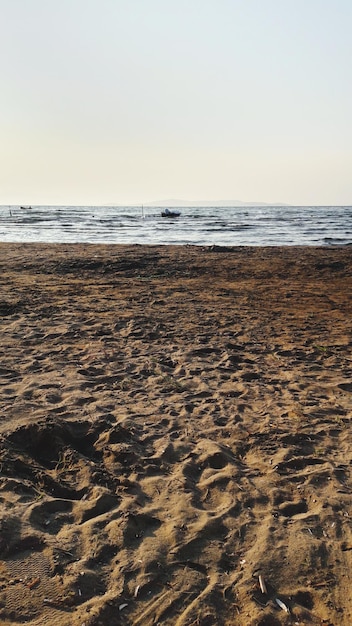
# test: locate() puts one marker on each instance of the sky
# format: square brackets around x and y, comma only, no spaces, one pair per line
[131,101]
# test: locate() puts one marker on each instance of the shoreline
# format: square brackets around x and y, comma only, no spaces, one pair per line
[175,423]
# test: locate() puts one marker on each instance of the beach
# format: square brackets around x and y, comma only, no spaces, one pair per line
[175,435]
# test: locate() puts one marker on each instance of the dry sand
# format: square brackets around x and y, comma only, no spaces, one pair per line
[175,423]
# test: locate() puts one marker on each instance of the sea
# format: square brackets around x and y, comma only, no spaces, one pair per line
[201,226]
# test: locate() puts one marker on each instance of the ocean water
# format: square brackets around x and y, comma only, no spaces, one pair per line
[222,226]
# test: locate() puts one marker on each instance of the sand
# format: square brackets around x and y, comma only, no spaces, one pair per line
[175,424]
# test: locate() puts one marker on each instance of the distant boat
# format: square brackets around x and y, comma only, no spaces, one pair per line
[168,213]
[25,207]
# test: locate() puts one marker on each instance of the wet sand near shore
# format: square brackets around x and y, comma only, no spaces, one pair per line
[175,440]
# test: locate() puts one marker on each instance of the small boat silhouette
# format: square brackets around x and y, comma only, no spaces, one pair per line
[168,213]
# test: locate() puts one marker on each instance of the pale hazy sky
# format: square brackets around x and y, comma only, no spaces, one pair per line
[130,101]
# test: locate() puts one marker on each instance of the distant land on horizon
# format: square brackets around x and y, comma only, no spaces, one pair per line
[208,203]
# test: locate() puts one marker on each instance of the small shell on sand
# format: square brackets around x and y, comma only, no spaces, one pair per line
[282,605]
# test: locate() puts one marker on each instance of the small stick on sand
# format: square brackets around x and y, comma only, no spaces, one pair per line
[262,585]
